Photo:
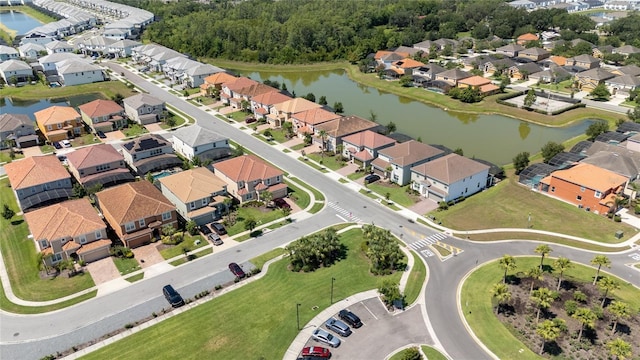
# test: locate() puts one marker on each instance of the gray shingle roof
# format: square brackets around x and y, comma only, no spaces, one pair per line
[196,135]
[8,122]
[139,100]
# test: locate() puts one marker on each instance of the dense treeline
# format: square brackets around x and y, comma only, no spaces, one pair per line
[297,31]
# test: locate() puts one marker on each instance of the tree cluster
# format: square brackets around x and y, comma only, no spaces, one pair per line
[466,95]
[382,250]
[311,252]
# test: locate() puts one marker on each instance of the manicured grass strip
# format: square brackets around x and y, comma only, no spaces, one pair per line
[400,355]
[242,238]
[188,242]
[442,251]
[397,194]
[134,130]
[299,147]
[228,327]
[316,208]
[259,261]
[135,278]
[356,175]
[21,259]
[416,279]
[286,151]
[8,306]
[257,214]
[432,354]
[313,165]
[42,17]
[126,266]
[302,198]
[343,180]
[332,162]
[46,149]
[261,137]
[478,310]
[5,156]
[107,89]
[193,256]
[540,237]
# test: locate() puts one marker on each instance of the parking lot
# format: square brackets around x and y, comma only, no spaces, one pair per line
[381,333]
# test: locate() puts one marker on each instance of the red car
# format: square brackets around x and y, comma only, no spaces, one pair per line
[317,351]
[281,203]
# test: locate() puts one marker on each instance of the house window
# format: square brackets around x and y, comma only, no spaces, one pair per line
[579,198]
[192,205]
[44,244]
[83,239]
[582,189]
[56,257]
[553,189]
[278,178]
[130,226]
[49,127]
[98,235]
[59,126]
[598,194]
[205,201]
[166,216]
[250,196]
[141,223]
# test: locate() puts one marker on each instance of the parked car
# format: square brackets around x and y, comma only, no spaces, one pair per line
[250,120]
[338,327]
[204,229]
[237,270]
[371,178]
[324,337]
[281,203]
[101,134]
[218,228]
[215,239]
[172,296]
[57,145]
[350,318]
[317,351]
[66,143]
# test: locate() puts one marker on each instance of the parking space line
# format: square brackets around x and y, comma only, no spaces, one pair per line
[370,312]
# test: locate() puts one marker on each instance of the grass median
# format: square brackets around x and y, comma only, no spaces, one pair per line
[255,321]
[416,279]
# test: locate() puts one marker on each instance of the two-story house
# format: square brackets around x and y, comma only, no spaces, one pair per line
[57,46]
[99,164]
[583,62]
[31,51]
[510,50]
[198,194]
[8,53]
[395,162]
[449,177]
[143,108]
[305,122]
[452,76]
[39,180]
[69,230]
[136,212]
[363,147]
[247,93]
[282,112]
[214,82]
[228,93]
[335,130]
[262,104]
[247,176]
[192,141]
[588,80]
[77,72]
[59,122]
[103,115]
[149,153]
[15,71]
[17,130]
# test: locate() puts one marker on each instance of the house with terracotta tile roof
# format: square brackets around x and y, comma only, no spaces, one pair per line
[305,122]
[262,104]
[585,185]
[69,230]
[247,176]
[406,66]
[480,83]
[229,90]
[395,162]
[59,122]
[149,153]
[337,129]
[192,141]
[38,181]
[100,165]
[558,60]
[449,177]
[247,93]
[17,129]
[103,115]
[144,108]
[197,194]
[362,147]
[136,212]
[215,81]
[525,38]
[283,111]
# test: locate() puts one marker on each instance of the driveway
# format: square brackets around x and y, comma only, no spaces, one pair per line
[113,136]
[31,151]
[147,255]
[423,206]
[350,168]
[103,270]
[153,127]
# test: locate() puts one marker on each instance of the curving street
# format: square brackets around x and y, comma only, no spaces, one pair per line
[34,336]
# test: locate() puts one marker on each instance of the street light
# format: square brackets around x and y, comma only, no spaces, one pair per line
[298,314]
[332,280]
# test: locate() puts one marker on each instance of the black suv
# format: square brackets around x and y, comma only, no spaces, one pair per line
[218,228]
[371,178]
[205,229]
[172,296]
[350,318]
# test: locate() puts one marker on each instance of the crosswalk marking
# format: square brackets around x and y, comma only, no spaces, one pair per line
[348,215]
[432,239]
[635,256]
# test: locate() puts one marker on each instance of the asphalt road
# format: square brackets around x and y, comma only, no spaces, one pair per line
[33,336]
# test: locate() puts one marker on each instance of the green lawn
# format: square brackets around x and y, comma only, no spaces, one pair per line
[301,197]
[239,116]
[477,307]
[508,205]
[255,321]
[278,135]
[39,91]
[356,175]
[20,258]
[416,279]
[5,156]
[86,139]
[192,256]
[432,354]
[189,242]
[134,130]
[46,149]
[397,193]
[400,355]
[259,261]
[203,100]
[332,162]
[8,306]
[135,278]
[316,208]
[179,121]
[262,217]
[313,165]
[298,147]
[547,238]
[126,266]
[563,86]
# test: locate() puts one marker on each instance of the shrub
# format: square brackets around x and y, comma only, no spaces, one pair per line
[570,306]
[617,218]
[177,237]
[129,326]
[192,227]
[580,296]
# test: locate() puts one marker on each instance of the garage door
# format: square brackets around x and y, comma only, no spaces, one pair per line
[96,254]
[435,197]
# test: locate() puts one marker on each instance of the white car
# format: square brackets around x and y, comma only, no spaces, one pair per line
[65,143]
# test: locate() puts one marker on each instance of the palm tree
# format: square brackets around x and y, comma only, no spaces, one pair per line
[535,273]
[549,331]
[502,294]
[507,263]
[607,285]
[586,317]
[323,137]
[619,310]
[561,264]
[543,250]
[265,196]
[619,348]
[600,260]
[227,205]
[543,298]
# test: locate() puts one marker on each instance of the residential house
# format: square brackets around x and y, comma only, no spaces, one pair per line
[99,165]
[534,54]
[284,111]
[395,162]
[122,48]
[626,50]
[406,66]
[522,71]
[497,66]
[31,51]
[197,194]
[59,122]
[557,60]
[305,122]
[195,141]
[385,58]
[143,108]
[424,46]
[510,50]
[34,37]
[617,5]
[215,81]
[554,74]
[583,62]
[247,176]
[39,180]
[335,130]
[15,71]
[229,89]
[17,130]
[600,51]
[449,177]
[76,72]
[247,93]
[8,53]
[623,84]
[69,230]
[262,104]
[362,147]
[49,62]
[95,45]
[479,83]
[526,38]
[525,4]
[136,212]
[194,76]
[410,51]
[428,71]
[617,159]
[452,76]
[585,185]
[149,153]
[632,70]
[103,115]
[588,80]
[56,46]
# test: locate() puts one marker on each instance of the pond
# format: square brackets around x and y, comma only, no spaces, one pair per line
[20,22]
[28,107]
[490,137]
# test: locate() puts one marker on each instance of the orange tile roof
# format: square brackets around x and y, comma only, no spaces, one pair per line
[488,88]
[408,63]
[270,98]
[97,108]
[380,53]
[369,139]
[56,114]
[93,245]
[246,168]
[346,125]
[559,60]
[528,37]
[91,156]
[315,116]
[296,105]
[67,219]
[133,201]
[590,176]
[255,89]
[219,78]
[35,170]
[194,184]
[239,83]
[474,81]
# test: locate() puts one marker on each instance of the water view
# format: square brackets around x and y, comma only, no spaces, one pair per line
[28,107]
[20,22]
[490,137]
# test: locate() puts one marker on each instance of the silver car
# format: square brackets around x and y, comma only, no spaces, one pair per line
[324,337]
[338,327]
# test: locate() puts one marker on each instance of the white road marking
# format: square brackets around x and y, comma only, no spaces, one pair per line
[370,312]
